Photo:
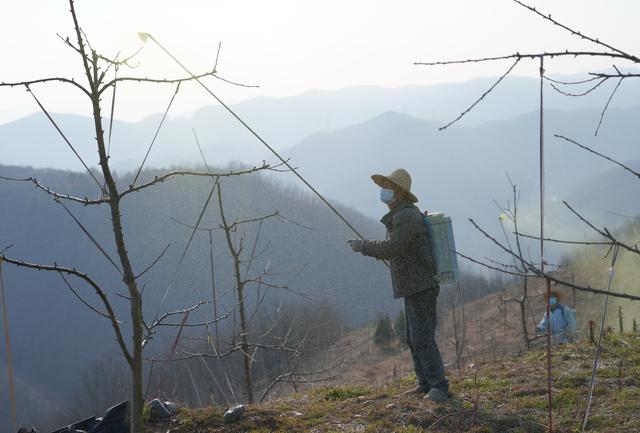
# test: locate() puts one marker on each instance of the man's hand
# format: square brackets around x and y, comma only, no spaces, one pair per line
[355,244]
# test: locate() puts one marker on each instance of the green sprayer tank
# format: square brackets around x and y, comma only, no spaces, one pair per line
[440,231]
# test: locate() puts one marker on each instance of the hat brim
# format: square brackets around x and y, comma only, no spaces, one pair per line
[383,181]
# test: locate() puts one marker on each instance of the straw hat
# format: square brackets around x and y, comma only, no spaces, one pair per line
[557,293]
[398,179]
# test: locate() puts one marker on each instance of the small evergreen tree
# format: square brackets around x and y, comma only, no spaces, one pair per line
[384,332]
[400,327]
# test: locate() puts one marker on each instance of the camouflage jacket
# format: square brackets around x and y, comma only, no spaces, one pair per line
[408,250]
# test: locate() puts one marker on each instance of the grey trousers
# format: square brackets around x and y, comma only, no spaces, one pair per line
[420,313]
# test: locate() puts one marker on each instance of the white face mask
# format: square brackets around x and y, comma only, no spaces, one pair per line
[386,195]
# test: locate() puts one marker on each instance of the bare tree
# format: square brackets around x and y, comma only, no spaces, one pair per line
[244,276]
[510,214]
[95,67]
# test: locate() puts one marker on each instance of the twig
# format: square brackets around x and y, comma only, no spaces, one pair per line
[164,116]
[604,233]
[604,110]
[84,201]
[588,149]
[481,97]
[77,295]
[64,137]
[154,262]
[577,95]
[91,238]
[562,241]
[570,83]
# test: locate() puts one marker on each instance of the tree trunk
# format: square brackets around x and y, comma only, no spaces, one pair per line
[128,277]
[523,314]
[245,346]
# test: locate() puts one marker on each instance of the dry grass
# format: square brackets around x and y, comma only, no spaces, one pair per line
[510,396]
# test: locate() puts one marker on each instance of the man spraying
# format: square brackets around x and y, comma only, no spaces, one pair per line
[414,278]
[563,321]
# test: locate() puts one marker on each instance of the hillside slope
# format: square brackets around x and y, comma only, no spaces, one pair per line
[55,338]
[504,396]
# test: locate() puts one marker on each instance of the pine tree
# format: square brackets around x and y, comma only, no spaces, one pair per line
[384,332]
[400,327]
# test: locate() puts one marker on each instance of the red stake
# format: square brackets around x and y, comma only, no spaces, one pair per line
[549,378]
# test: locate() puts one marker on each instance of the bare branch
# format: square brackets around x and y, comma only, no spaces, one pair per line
[604,232]
[101,294]
[239,222]
[570,83]
[81,299]
[260,280]
[152,80]
[206,229]
[215,65]
[64,137]
[122,62]
[597,75]
[577,33]
[577,95]
[160,319]
[164,116]
[68,42]
[292,376]
[91,238]
[153,263]
[166,176]
[588,149]
[481,97]
[46,80]
[488,266]
[84,201]
[550,54]
[235,83]
[536,271]
[563,241]
[192,355]
[604,110]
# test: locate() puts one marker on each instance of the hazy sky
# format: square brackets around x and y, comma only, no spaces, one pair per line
[290,46]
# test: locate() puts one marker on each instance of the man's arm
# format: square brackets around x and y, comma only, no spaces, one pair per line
[405,227]
[542,326]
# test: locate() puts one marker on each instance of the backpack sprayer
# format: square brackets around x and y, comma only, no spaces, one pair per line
[440,232]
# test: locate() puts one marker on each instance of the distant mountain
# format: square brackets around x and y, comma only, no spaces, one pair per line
[55,337]
[461,170]
[282,121]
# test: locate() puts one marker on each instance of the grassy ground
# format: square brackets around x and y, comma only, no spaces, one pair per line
[505,396]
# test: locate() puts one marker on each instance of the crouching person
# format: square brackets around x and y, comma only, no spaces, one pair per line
[562,323]
[413,276]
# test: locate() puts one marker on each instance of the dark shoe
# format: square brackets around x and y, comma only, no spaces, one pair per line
[436,395]
[416,391]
